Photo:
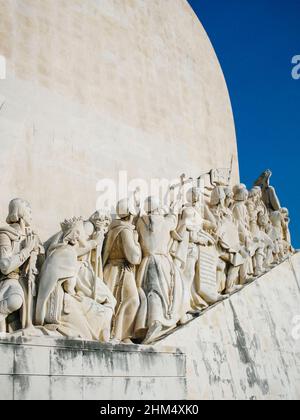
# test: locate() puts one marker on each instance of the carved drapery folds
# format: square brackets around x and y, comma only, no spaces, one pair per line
[135,278]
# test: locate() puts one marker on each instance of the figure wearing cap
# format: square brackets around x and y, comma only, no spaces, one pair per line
[122,253]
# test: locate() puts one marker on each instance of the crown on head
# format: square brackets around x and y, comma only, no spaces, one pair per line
[69,224]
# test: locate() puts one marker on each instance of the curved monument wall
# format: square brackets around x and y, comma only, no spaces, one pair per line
[94,87]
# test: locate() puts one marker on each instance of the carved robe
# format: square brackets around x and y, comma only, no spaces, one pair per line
[122,253]
[270,199]
[159,280]
[88,313]
[228,247]
[12,261]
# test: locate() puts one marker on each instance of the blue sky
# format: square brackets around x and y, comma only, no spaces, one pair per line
[255,41]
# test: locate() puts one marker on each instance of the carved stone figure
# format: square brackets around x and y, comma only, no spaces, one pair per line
[159,279]
[228,197]
[242,219]
[122,253]
[158,268]
[200,259]
[232,256]
[269,195]
[256,207]
[287,240]
[276,234]
[72,300]
[264,227]
[19,249]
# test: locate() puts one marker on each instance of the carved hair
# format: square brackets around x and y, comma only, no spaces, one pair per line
[100,215]
[16,210]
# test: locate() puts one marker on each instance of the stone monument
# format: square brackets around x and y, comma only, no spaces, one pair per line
[94,88]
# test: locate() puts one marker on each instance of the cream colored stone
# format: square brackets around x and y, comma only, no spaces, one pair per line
[72,300]
[247,347]
[268,193]
[197,252]
[68,369]
[96,87]
[122,255]
[19,249]
[160,281]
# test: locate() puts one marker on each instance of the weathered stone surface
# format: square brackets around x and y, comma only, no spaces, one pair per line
[66,369]
[96,87]
[243,348]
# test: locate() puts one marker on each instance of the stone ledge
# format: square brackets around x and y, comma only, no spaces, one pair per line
[85,345]
[47,368]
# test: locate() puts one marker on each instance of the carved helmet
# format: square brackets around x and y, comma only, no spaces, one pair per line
[125,208]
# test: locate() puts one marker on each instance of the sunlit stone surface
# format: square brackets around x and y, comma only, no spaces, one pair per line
[95,87]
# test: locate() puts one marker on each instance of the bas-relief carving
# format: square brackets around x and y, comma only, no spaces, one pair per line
[139,276]
[73,300]
[122,256]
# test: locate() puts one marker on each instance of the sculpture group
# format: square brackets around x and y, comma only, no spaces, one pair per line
[137,277]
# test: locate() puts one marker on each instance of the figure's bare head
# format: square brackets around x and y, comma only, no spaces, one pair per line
[240,192]
[18,210]
[100,220]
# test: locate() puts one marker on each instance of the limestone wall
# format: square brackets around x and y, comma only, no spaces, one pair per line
[43,369]
[97,86]
[247,347]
